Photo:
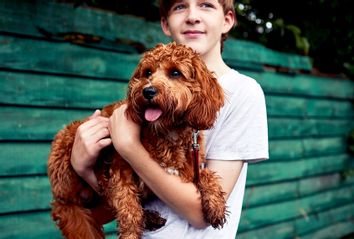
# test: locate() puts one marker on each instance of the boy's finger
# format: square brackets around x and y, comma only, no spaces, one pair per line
[95,114]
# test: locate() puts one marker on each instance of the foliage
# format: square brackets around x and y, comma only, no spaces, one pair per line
[318,28]
[326,35]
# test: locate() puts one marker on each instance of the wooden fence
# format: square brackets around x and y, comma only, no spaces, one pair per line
[51,75]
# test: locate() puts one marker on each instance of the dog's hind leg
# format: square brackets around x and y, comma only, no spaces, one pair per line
[213,200]
[76,222]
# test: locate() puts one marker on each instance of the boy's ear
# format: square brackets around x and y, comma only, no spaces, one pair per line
[230,21]
[164,26]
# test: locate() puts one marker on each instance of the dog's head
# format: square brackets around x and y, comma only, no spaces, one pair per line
[172,87]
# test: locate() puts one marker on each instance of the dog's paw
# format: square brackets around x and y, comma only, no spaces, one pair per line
[153,220]
[216,217]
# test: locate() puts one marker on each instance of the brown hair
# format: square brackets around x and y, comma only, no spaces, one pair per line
[227,5]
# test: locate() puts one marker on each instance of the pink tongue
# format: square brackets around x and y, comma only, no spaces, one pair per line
[152,114]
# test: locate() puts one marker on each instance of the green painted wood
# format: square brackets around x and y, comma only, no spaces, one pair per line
[301,225]
[30,158]
[21,123]
[281,150]
[58,91]
[23,158]
[24,194]
[58,18]
[35,55]
[34,225]
[36,124]
[269,171]
[301,84]
[47,83]
[287,190]
[287,106]
[62,18]
[64,58]
[276,213]
[336,230]
[312,223]
[289,128]
[34,193]
[256,53]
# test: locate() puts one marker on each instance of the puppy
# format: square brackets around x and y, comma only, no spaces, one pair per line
[171,95]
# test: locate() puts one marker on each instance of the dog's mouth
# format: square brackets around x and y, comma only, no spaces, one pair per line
[152,114]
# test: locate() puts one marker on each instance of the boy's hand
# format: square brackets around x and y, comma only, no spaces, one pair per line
[90,138]
[124,132]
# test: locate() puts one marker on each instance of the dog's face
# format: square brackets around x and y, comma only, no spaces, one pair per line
[171,88]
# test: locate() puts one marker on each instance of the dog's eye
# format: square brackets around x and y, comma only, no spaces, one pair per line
[147,73]
[174,73]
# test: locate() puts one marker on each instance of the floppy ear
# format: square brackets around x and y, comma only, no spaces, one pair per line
[208,98]
[130,111]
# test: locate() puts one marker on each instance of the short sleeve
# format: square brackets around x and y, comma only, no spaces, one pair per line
[240,132]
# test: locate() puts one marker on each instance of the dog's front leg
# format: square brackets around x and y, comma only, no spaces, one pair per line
[212,197]
[124,198]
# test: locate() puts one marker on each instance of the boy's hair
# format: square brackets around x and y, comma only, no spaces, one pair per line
[227,5]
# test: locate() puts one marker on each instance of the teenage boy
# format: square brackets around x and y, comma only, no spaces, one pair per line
[238,136]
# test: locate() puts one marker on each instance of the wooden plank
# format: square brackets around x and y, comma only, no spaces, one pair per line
[58,18]
[64,58]
[37,191]
[336,230]
[18,158]
[279,128]
[275,213]
[269,171]
[288,106]
[36,124]
[22,123]
[303,85]
[30,158]
[12,225]
[28,225]
[83,93]
[311,224]
[58,91]
[254,52]
[301,225]
[35,225]
[282,191]
[281,150]
[35,55]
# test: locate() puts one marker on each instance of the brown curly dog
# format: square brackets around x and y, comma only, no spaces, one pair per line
[171,94]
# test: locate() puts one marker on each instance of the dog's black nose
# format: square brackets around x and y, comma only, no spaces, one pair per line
[149,92]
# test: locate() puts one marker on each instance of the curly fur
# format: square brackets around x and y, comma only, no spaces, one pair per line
[189,98]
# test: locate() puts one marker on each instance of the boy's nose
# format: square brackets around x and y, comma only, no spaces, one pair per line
[193,17]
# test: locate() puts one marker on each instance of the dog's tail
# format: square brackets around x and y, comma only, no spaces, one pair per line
[75,222]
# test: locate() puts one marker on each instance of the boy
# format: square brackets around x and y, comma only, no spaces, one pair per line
[238,136]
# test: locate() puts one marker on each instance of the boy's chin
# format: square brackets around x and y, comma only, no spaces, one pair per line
[196,46]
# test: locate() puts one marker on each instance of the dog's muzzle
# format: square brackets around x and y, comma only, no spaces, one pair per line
[149,92]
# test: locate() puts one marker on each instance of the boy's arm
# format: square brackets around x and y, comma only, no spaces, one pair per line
[181,197]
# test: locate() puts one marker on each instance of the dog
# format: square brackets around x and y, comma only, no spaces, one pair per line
[171,95]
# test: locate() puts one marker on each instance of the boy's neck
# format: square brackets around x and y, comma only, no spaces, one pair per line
[216,64]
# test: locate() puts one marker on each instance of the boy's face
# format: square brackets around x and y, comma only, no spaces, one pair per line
[198,24]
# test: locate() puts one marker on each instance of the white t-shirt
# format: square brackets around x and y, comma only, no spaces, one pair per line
[240,133]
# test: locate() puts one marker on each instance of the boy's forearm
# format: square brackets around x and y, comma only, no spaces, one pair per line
[88,175]
[183,198]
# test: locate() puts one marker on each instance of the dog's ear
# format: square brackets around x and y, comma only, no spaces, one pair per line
[130,111]
[208,98]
